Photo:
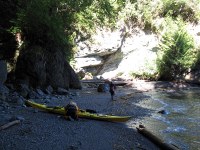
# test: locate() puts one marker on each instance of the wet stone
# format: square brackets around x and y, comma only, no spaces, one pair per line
[40,92]
[20,101]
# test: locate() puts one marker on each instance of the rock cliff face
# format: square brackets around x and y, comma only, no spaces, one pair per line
[122,52]
[118,53]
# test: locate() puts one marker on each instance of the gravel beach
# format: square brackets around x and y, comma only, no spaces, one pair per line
[44,131]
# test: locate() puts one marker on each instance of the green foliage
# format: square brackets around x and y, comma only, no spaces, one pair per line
[143,76]
[119,74]
[54,24]
[146,14]
[99,14]
[188,10]
[148,11]
[141,13]
[42,25]
[177,51]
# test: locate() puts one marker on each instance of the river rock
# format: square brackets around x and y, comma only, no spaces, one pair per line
[23,90]
[103,88]
[4,118]
[40,92]
[10,86]
[20,101]
[2,97]
[162,112]
[81,74]
[49,90]
[17,118]
[1,107]
[5,105]
[32,94]
[3,91]
[193,76]
[62,91]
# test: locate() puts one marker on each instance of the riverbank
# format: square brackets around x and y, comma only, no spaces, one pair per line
[40,130]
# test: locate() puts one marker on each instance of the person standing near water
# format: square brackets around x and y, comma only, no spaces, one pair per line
[112,90]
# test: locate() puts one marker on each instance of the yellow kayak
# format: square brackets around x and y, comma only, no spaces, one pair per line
[81,113]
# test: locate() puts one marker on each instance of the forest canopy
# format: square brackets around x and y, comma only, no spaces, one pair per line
[54,24]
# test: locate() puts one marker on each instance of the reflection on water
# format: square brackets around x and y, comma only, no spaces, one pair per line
[174,129]
[180,125]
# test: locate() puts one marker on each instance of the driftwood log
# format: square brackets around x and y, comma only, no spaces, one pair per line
[116,83]
[157,141]
[7,125]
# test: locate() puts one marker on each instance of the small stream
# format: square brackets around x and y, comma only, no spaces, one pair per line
[180,122]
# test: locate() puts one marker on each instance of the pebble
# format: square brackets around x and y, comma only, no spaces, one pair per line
[70,97]
[62,91]
[20,118]
[162,112]
[72,147]
[40,92]
[4,117]
[5,105]
[74,94]
[2,97]
[36,111]
[1,108]
[17,118]
[49,90]
[47,101]
[20,101]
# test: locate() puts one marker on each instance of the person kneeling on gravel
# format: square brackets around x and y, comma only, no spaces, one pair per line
[71,111]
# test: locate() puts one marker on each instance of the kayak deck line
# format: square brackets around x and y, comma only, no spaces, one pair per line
[81,113]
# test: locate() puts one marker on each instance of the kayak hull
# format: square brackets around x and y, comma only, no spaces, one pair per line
[81,113]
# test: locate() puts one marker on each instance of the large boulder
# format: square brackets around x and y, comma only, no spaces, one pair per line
[193,76]
[3,71]
[40,68]
[30,67]
[72,77]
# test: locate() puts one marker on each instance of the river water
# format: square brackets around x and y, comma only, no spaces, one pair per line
[180,123]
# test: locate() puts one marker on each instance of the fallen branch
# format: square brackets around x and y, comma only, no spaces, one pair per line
[116,83]
[5,126]
[160,143]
